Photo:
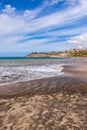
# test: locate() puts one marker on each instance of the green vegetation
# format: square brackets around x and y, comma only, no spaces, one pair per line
[80,54]
[67,53]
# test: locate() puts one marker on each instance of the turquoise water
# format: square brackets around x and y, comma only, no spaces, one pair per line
[33,58]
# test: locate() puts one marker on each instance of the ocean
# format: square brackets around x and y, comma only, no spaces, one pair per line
[18,69]
[29,58]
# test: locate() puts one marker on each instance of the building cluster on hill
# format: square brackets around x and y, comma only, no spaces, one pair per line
[69,53]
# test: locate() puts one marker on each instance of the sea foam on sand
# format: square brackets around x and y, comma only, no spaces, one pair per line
[10,74]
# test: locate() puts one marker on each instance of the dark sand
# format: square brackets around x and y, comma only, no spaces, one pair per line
[57,103]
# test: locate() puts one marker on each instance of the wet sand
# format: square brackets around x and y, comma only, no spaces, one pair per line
[78,71]
[57,103]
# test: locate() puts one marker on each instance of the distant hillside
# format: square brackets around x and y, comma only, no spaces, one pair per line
[49,54]
[70,53]
[78,53]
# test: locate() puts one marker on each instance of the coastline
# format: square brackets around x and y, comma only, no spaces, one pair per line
[71,73]
[52,85]
[58,102]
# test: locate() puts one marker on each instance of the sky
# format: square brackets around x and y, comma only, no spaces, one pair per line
[42,25]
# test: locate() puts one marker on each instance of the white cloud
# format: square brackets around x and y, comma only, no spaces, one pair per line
[64,32]
[9,9]
[53,2]
[80,41]
[15,27]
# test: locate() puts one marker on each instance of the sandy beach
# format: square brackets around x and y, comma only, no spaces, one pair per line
[55,103]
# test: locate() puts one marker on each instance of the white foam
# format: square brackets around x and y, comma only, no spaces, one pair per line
[10,74]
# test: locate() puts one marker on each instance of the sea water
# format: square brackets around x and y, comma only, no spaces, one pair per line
[17,69]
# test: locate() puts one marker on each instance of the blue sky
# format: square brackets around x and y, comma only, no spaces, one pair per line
[42,25]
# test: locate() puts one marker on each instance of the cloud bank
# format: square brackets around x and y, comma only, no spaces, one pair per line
[54,25]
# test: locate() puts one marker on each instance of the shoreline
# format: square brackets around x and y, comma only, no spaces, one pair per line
[71,73]
[42,86]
